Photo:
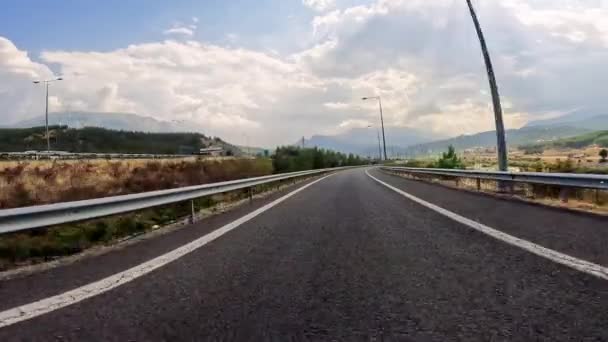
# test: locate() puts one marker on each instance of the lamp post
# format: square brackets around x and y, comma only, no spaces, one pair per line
[501,145]
[46,110]
[381,121]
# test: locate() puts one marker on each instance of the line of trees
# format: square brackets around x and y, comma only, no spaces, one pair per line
[101,140]
[291,159]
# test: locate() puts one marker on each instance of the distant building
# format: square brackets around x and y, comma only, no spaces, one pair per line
[214,151]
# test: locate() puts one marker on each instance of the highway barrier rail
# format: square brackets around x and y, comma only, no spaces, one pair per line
[42,155]
[557,179]
[19,219]
[586,188]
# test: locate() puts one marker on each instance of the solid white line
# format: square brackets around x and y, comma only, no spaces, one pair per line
[41,307]
[561,258]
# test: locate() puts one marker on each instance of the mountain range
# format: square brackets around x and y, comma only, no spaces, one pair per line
[364,141]
[116,121]
[588,121]
[514,137]
[401,141]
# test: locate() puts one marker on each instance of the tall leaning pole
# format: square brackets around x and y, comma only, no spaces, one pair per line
[500,127]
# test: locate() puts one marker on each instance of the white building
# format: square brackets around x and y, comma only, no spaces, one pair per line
[214,151]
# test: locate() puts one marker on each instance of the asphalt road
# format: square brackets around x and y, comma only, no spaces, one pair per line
[345,259]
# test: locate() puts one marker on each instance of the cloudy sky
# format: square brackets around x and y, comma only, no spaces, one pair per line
[282,69]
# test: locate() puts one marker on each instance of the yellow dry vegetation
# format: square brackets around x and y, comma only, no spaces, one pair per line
[39,182]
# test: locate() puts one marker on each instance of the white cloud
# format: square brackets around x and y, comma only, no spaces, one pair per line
[227,90]
[575,21]
[19,97]
[536,51]
[319,5]
[180,30]
[422,57]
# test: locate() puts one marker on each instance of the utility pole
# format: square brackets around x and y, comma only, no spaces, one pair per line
[381,122]
[501,146]
[46,110]
[46,117]
[379,149]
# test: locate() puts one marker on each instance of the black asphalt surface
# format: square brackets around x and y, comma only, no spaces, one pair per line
[577,234]
[346,259]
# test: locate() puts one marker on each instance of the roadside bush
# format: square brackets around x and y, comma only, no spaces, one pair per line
[603,154]
[128,226]
[532,149]
[564,166]
[98,232]
[450,160]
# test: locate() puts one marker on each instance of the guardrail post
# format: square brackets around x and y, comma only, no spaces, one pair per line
[250,194]
[563,194]
[192,215]
[478,184]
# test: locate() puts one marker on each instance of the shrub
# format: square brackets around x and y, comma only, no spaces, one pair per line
[533,149]
[98,232]
[603,154]
[450,160]
[128,226]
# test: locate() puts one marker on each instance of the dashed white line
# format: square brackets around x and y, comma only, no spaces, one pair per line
[558,257]
[41,307]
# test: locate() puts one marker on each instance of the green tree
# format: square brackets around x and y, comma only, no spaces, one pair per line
[449,160]
[291,158]
[99,140]
[603,155]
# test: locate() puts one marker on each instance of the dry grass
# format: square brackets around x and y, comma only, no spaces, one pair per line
[28,248]
[587,157]
[589,200]
[40,182]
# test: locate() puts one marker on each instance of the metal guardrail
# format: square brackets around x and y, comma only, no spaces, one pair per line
[68,155]
[18,219]
[557,179]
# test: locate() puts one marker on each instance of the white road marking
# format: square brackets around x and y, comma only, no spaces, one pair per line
[41,307]
[561,258]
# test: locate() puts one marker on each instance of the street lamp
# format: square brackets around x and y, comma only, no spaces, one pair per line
[46,110]
[501,145]
[381,121]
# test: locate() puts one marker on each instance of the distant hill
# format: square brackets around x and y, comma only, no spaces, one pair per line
[101,140]
[599,138]
[116,121]
[577,120]
[364,141]
[515,137]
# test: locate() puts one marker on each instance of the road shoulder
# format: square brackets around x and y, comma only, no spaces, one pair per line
[581,235]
